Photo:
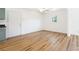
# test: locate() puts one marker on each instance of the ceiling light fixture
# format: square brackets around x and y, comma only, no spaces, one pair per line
[43,9]
[47,9]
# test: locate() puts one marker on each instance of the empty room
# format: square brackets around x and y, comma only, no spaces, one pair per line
[39,29]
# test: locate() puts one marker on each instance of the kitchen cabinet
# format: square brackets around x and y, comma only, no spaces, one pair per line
[2,32]
[2,13]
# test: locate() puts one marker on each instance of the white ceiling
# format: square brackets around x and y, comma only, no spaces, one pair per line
[42,9]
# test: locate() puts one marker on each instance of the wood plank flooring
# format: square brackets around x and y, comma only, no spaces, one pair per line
[41,41]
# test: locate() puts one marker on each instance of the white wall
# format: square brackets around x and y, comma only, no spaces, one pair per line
[22,21]
[73,17]
[60,26]
[31,21]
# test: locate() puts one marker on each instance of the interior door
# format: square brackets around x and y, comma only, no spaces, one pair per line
[14,23]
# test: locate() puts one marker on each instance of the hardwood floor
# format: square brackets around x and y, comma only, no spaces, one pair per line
[41,41]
